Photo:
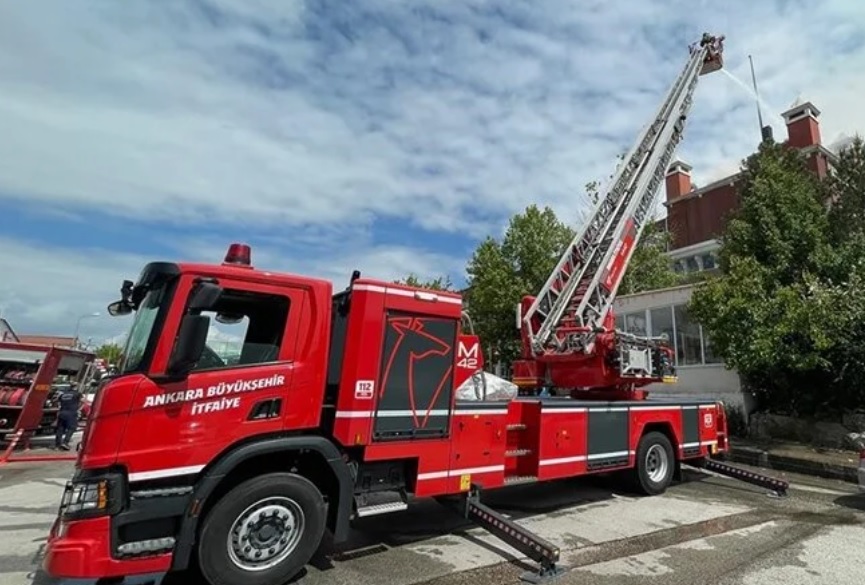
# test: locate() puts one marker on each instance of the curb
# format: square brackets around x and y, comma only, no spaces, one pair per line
[767,459]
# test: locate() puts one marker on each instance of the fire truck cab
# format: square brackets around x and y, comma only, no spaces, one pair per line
[322,385]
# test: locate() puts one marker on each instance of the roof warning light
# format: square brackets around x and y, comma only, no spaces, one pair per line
[238,255]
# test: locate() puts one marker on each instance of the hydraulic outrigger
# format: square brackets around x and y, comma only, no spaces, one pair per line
[545,553]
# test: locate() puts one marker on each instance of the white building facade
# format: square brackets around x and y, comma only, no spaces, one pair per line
[702,374]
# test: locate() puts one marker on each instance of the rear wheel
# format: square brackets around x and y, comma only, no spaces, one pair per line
[262,532]
[656,464]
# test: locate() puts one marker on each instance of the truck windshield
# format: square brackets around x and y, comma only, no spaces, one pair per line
[142,329]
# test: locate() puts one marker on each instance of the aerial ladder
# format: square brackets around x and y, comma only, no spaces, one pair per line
[569,340]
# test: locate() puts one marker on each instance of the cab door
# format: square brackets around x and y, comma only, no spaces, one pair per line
[244,383]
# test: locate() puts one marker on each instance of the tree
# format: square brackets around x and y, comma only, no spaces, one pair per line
[770,315]
[442,283]
[840,298]
[110,352]
[845,191]
[781,221]
[501,273]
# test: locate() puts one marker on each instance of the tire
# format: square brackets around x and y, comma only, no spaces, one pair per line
[656,464]
[287,499]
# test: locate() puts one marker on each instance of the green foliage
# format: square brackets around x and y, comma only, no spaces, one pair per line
[501,273]
[110,352]
[845,188]
[439,283]
[781,222]
[789,309]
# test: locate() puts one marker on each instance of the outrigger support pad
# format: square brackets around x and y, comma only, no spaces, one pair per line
[528,543]
[778,486]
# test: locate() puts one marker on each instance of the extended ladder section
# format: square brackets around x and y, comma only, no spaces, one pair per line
[571,307]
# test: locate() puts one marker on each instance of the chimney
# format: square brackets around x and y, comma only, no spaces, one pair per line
[678,180]
[803,129]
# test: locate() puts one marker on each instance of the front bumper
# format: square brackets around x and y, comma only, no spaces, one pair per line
[86,546]
[79,552]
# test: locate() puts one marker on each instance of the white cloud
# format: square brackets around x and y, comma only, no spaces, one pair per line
[240,111]
[445,114]
[46,290]
[54,287]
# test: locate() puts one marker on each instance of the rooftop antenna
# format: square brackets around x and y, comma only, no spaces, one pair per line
[765,131]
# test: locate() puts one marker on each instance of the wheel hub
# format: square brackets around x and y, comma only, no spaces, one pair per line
[265,533]
[657,463]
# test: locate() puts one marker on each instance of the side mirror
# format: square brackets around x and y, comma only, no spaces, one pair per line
[204,296]
[119,308]
[189,344]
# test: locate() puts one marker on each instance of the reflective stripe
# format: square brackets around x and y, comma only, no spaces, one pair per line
[168,472]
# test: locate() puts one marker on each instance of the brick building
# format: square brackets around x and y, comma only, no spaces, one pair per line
[697,216]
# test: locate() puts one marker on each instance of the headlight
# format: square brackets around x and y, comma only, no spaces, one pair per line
[92,496]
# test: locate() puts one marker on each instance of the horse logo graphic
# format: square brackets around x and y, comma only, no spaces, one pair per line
[417,368]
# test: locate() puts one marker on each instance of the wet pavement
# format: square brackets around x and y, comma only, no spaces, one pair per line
[705,530]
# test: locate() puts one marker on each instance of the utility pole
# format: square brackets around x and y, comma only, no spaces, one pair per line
[765,131]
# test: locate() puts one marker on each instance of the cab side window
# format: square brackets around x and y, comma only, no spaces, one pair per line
[246,328]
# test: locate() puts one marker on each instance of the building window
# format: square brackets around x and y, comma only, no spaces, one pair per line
[635,323]
[661,321]
[692,264]
[687,339]
[709,262]
[689,346]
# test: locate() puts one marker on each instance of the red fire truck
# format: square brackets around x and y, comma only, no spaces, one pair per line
[339,406]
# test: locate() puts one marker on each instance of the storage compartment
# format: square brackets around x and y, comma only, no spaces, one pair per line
[31,379]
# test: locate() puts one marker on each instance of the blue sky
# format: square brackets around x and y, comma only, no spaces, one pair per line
[384,135]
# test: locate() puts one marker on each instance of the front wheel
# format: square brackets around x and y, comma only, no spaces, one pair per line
[262,532]
[656,464]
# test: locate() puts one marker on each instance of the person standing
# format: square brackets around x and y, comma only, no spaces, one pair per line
[69,402]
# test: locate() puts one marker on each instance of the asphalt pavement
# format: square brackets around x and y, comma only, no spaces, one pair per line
[707,530]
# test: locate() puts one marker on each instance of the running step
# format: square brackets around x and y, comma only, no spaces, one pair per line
[518,452]
[520,479]
[376,503]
